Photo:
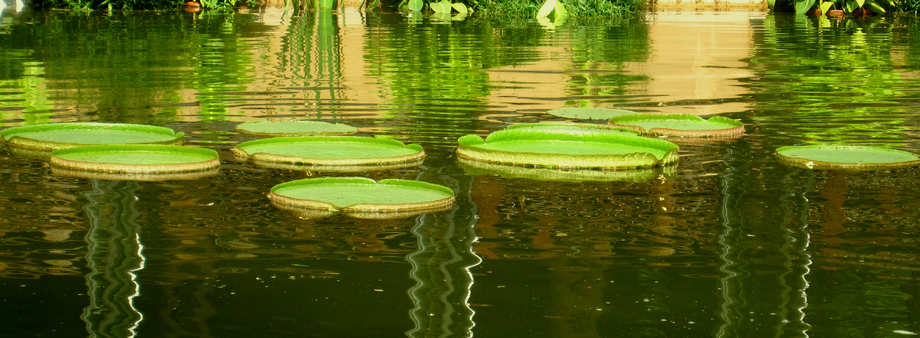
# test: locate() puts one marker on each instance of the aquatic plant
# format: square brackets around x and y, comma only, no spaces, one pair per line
[682,125]
[843,156]
[330,153]
[360,197]
[139,162]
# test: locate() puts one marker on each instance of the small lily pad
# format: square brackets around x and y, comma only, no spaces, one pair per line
[330,153]
[361,197]
[589,113]
[837,156]
[139,162]
[578,148]
[40,139]
[682,125]
[563,175]
[295,128]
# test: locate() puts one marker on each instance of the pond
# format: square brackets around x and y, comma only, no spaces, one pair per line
[733,244]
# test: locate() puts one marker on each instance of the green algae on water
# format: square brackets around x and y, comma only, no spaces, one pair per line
[295,128]
[361,197]
[841,156]
[682,125]
[144,162]
[589,113]
[38,140]
[330,153]
[579,148]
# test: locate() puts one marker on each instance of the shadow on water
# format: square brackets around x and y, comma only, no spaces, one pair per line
[114,255]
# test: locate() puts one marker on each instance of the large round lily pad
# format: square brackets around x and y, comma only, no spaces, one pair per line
[836,156]
[572,128]
[330,153]
[140,162]
[38,140]
[572,149]
[589,113]
[361,197]
[683,125]
[295,128]
[637,175]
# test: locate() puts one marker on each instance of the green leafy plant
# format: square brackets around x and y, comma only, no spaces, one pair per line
[848,6]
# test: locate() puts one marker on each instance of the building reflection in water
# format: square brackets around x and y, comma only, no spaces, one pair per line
[441,269]
[114,256]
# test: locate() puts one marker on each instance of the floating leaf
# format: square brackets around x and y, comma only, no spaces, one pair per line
[330,153]
[40,139]
[570,149]
[295,128]
[589,113]
[361,197]
[836,156]
[144,162]
[683,125]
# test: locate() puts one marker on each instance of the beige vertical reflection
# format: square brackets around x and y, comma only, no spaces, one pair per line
[696,59]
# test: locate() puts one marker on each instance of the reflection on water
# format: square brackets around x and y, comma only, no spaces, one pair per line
[729,243]
[441,269]
[114,256]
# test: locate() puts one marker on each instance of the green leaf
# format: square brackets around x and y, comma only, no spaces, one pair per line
[460,8]
[771,3]
[860,3]
[560,10]
[442,7]
[416,5]
[546,9]
[826,6]
[851,6]
[875,7]
[802,6]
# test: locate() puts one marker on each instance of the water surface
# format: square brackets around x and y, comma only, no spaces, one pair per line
[735,244]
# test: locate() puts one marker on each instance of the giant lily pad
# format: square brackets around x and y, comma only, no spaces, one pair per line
[836,156]
[589,113]
[295,128]
[361,197]
[683,125]
[637,175]
[572,128]
[569,149]
[330,153]
[139,162]
[40,139]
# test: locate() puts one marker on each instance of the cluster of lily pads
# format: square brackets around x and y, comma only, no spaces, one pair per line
[628,147]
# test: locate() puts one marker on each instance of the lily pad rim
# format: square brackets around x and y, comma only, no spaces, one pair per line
[735,127]
[345,131]
[144,172]
[8,134]
[803,162]
[364,207]
[556,112]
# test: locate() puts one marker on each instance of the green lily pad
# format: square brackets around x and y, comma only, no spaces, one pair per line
[572,128]
[683,125]
[637,175]
[578,148]
[295,128]
[140,162]
[40,139]
[589,113]
[330,153]
[837,156]
[361,197]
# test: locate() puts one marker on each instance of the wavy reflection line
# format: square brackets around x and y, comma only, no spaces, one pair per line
[442,269]
[728,266]
[114,256]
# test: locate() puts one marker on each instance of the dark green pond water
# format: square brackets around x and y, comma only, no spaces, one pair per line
[734,244]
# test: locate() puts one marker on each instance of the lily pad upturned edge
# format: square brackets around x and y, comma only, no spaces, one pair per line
[580,113]
[734,128]
[312,128]
[469,149]
[803,162]
[637,175]
[37,148]
[312,208]
[277,161]
[60,165]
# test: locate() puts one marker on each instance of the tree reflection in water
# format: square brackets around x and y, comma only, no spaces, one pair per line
[441,268]
[114,255]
